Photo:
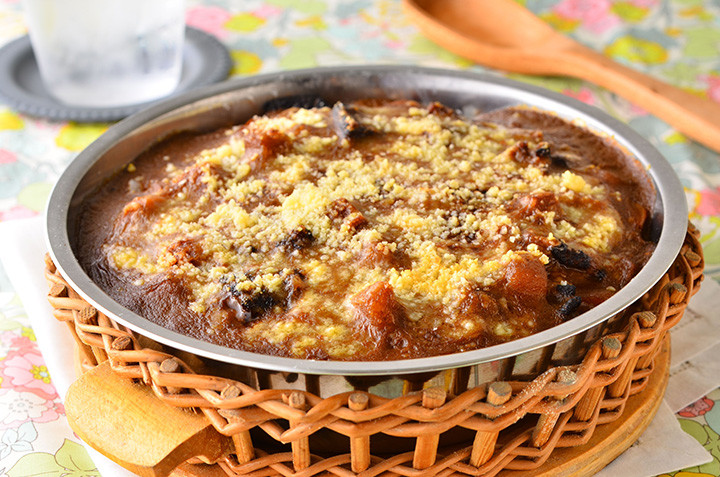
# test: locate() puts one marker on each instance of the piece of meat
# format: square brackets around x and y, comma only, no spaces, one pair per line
[185,251]
[341,208]
[477,303]
[375,254]
[344,210]
[530,204]
[263,145]
[441,110]
[526,277]
[520,152]
[145,204]
[377,310]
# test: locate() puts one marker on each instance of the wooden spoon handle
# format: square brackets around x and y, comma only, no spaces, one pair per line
[128,424]
[696,117]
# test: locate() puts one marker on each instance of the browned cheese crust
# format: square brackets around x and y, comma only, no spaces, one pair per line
[370,231]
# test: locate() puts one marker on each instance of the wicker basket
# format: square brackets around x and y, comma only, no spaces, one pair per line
[512,425]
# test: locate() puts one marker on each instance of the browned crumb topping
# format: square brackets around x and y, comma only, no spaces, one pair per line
[374,230]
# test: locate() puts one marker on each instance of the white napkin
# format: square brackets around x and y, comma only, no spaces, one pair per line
[695,362]
[22,252]
[663,447]
[663,444]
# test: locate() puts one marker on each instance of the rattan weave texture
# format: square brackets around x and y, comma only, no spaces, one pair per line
[516,424]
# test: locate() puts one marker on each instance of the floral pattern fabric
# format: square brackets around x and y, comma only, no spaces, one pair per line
[677,41]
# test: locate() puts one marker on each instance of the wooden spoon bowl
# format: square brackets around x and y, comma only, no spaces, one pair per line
[503,34]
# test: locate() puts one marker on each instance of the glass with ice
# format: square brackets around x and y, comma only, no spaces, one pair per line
[107,52]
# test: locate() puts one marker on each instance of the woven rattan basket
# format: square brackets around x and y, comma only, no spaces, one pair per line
[513,425]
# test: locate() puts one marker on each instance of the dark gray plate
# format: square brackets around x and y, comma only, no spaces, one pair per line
[205,61]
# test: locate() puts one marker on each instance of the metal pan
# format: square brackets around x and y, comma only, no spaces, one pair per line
[236,101]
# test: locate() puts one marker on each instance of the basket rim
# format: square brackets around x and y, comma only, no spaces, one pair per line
[669,190]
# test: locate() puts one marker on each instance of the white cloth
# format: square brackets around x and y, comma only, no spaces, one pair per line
[22,252]
[663,447]
[695,362]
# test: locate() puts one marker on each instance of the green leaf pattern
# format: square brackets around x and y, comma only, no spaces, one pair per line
[71,460]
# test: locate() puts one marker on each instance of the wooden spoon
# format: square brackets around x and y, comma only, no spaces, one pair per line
[505,35]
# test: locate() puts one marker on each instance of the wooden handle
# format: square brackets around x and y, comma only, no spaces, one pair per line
[694,116]
[516,40]
[128,424]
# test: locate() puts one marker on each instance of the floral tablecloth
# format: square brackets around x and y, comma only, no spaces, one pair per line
[675,40]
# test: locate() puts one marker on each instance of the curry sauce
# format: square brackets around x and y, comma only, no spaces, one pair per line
[372,230]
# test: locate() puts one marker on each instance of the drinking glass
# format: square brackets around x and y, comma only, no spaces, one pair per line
[107,53]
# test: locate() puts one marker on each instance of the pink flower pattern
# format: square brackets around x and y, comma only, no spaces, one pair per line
[17,212]
[7,342]
[709,203]
[698,408]
[583,94]
[7,157]
[209,19]
[713,90]
[24,370]
[17,407]
[595,16]
[645,3]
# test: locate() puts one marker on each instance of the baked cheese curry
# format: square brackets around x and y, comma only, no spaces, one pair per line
[373,230]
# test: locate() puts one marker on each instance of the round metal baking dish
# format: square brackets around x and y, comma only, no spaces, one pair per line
[236,101]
